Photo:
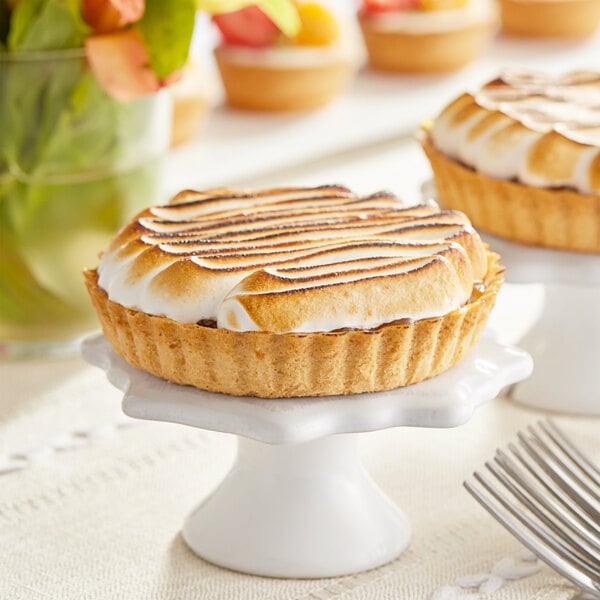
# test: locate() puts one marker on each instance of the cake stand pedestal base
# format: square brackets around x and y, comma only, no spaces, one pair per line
[565,344]
[316,493]
[297,502]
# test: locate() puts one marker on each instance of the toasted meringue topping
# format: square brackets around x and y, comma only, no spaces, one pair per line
[541,130]
[293,260]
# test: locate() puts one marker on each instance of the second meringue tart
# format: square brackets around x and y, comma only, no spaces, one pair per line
[294,292]
[521,157]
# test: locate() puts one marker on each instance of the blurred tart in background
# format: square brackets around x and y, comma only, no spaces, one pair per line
[191,105]
[521,157]
[550,18]
[263,69]
[422,36]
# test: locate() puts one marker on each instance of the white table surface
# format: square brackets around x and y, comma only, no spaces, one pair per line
[97,510]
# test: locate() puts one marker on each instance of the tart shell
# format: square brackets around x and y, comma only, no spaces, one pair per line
[273,88]
[272,365]
[403,52]
[550,18]
[189,114]
[553,218]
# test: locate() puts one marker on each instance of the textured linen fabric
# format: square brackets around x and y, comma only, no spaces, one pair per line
[103,520]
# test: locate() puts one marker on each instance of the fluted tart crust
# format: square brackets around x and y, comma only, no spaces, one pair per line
[281,88]
[294,291]
[550,18]
[272,365]
[432,52]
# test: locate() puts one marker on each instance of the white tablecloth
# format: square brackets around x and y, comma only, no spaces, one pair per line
[103,520]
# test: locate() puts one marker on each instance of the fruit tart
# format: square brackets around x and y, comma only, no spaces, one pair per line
[294,291]
[191,104]
[550,18]
[263,69]
[422,36]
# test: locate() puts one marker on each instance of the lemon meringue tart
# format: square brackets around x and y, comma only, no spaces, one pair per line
[521,157]
[295,291]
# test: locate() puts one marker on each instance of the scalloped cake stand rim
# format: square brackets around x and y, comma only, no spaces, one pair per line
[447,400]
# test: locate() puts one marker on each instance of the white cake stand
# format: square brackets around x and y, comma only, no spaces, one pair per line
[565,341]
[297,502]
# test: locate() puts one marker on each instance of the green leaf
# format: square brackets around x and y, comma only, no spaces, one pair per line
[166,28]
[46,25]
[34,97]
[77,139]
[282,12]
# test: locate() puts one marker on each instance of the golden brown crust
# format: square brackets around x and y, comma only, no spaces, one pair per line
[553,218]
[550,18]
[269,88]
[189,112]
[288,365]
[190,104]
[423,53]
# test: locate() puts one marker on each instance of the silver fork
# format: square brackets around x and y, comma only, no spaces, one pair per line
[547,494]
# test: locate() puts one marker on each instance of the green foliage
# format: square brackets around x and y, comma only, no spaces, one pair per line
[46,25]
[166,28]
[283,14]
[4,23]
[65,183]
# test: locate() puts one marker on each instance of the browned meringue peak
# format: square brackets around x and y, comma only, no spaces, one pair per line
[568,103]
[539,129]
[293,259]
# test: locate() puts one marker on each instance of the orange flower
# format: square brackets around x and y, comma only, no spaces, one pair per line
[122,66]
[106,16]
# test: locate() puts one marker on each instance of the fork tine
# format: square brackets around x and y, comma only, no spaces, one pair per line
[566,445]
[576,539]
[589,569]
[583,499]
[547,501]
[551,557]
[545,447]
[554,490]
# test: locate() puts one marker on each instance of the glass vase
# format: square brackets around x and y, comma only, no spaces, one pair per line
[75,164]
